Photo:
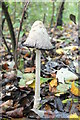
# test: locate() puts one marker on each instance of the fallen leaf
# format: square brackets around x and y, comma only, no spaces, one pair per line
[65,75]
[53,74]
[62,115]
[73,48]
[70,99]
[47,107]
[63,87]
[60,51]
[52,85]
[24,118]
[53,82]
[64,50]
[32,85]
[42,80]
[49,114]
[78,107]
[11,64]
[26,55]
[21,64]
[59,94]
[8,103]
[52,89]
[26,79]
[29,69]
[75,90]
[5,66]
[17,113]
[74,116]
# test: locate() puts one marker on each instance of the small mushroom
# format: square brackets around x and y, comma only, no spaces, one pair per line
[38,38]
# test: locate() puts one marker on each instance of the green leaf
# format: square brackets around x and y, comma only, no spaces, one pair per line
[22,82]
[27,79]
[63,87]
[43,80]
[16,25]
[70,99]
[21,34]
[21,66]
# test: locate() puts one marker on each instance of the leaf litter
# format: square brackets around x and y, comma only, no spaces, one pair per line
[60,90]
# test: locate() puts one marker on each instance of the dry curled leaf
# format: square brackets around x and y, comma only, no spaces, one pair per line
[26,55]
[29,69]
[17,113]
[47,107]
[78,107]
[5,66]
[49,114]
[53,85]
[75,90]
[8,103]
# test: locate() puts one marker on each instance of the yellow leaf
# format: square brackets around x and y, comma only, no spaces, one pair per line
[32,85]
[68,35]
[47,107]
[26,33]
[74,48]
[73,116]
[75,90]
[60,51]
[43,62]
[53,82]
[59,94]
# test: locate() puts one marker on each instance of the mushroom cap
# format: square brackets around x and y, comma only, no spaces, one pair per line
[38,37]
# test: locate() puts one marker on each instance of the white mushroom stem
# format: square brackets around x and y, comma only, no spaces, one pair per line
[37,82]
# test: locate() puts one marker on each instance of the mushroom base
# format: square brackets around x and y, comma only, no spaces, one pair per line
[36,102]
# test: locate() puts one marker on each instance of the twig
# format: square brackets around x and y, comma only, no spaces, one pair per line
[9,22]
[5,42]
[23,14]
[44,17]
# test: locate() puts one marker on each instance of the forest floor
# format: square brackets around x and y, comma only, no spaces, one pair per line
[60,92]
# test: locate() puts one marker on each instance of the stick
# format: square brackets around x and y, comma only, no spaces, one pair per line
[5,42]
[23,14]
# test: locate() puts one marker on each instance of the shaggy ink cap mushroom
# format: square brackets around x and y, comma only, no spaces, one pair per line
[38,37]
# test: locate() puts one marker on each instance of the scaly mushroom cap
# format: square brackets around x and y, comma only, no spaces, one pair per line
[38,37]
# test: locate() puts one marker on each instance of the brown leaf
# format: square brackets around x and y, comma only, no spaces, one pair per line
[52,89]
[47,107]
[49,114]
[17,113]
[29,69]
[5,66]
[78,107]
[26,55]
[53,85]
[53,74]
[8,103]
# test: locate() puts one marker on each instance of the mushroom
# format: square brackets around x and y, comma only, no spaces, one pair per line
[38,38]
